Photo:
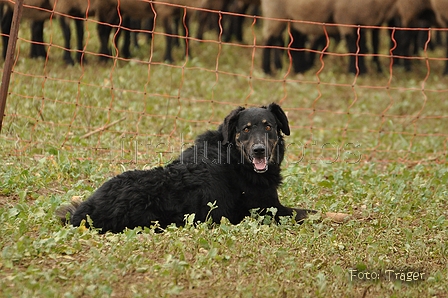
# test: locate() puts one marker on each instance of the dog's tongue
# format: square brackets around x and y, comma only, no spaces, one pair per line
[259,163]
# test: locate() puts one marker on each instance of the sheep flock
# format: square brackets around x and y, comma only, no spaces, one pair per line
[301,28]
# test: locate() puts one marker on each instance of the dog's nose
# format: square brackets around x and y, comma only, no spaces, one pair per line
[258,149]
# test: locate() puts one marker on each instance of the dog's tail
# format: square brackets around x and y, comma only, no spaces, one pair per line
[65,212]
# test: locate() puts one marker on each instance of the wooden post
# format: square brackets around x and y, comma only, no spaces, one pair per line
[9,59]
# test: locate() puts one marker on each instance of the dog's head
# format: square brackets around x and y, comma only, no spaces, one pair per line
[256,132]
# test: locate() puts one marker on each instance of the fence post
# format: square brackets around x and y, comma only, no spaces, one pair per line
[7,67]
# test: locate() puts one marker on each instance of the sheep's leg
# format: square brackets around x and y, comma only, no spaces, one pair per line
[6,28]
[363,50]
[407,41]
[135,24]
[403,48]
[126,47]
[104,29]
[175,24]
[401,40]
[172,28]
[37,36]
[79,24]
[352,48]
[356,61]
[375,48]
[66,32]
[238,24]
[103,35]
[268,51]
[266,62]
[229,26]
[203,20]
[317,45]
[169,39]
[235,25]
[298,54]
[148,25]
[278,53]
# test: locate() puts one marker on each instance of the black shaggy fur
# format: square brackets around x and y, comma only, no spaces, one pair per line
[236,167]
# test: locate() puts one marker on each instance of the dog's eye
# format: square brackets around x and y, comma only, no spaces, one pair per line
[246,129]
[268,127]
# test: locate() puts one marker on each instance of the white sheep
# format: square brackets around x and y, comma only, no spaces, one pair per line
[363,13]
[341,12]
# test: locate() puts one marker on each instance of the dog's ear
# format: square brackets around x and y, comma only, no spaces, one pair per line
[229,125]
[282,120]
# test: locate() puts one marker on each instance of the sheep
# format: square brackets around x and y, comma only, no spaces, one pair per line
[209,20]
[163,13]
[79,9]
[304,10]
[119,13]
[408,13]
[35,10]
[231,25]
[361,12]
[235,23]
[340,12]
[44,10]
[106,10]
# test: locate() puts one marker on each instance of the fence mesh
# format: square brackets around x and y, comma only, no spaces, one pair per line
[144,109]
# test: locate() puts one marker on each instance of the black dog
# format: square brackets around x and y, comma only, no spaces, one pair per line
[236,168]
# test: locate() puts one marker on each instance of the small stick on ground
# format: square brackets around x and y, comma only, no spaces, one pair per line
[102,128]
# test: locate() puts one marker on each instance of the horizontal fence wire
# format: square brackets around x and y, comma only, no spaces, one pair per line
[146,109]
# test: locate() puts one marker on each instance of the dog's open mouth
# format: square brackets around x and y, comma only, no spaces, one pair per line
[260,164]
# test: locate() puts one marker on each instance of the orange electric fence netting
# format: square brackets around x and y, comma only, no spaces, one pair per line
[144,108]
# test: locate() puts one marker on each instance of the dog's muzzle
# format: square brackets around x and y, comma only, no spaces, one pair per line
[259,158]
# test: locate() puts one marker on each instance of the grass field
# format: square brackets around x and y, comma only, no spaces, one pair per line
[372,146]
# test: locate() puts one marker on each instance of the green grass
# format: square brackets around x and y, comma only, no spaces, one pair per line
[374,147]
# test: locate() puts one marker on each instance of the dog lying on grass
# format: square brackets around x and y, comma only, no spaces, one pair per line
[236,168]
